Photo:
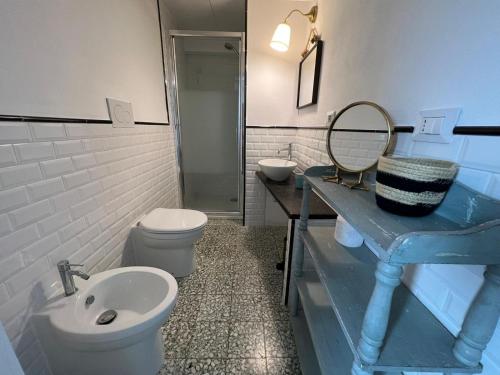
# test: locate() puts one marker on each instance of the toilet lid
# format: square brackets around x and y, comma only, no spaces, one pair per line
[169,220]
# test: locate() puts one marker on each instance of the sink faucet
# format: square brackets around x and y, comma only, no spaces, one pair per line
[288,149]
[67,276]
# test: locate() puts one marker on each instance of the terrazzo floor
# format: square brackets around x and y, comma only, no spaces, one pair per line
[228,318]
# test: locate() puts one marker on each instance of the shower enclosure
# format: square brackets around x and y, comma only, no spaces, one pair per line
[209,73]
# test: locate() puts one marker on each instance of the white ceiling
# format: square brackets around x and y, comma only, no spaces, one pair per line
[219,15]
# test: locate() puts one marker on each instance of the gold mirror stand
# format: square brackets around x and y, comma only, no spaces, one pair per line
[358,182]
[351,184]
[355,184]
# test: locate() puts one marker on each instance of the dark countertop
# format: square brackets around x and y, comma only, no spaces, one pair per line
[290,199]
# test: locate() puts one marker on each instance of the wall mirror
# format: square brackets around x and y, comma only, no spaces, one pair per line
[356,138]
[309,70]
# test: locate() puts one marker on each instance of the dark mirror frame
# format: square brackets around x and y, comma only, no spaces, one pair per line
[318,46]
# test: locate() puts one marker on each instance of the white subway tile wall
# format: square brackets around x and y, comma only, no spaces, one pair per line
[261,143]
[71,191]
[446,290]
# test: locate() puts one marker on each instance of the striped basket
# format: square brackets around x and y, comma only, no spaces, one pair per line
[412,187]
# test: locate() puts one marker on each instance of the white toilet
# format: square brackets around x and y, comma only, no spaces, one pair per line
[165,239]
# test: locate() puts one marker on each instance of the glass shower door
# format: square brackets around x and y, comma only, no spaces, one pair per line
[208,91]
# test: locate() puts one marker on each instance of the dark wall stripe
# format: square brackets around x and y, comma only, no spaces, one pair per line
[397,129]
[68,120]
[52,119]
[150,123]
[287,127]
[403,129]
[477,130]
[360,131]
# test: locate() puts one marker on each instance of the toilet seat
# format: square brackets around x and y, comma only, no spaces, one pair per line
[171,220]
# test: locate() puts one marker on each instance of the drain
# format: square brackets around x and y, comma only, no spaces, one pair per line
[90,300]
[106,317]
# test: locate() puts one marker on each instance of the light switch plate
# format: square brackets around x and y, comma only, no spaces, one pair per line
[436,125]
[120,113]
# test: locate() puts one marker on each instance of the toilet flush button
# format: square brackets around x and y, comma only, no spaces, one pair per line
[120,113]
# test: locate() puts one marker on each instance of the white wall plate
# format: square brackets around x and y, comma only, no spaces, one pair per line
[120,113]
[436,125]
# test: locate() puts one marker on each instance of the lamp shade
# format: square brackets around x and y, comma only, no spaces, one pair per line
[281,38]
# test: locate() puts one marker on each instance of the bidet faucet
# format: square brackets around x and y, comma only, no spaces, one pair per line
[67,274]
[288,149]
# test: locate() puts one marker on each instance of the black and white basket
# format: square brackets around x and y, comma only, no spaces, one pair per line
[412,187]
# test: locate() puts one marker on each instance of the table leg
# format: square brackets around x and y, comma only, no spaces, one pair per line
[378,311]
[481,320]
[298,250]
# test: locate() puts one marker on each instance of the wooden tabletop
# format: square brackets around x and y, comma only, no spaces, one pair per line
[290,199]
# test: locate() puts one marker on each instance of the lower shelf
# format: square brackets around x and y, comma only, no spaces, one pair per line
[318,334]
[307,357]
[416,341]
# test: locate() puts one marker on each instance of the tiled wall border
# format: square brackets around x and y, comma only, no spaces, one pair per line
[446,290]
[71,191]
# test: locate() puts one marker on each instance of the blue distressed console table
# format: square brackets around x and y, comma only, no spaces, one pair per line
[350,312]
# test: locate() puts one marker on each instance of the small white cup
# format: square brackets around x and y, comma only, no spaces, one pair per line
[346,235]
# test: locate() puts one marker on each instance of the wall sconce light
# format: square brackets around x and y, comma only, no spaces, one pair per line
[281,37]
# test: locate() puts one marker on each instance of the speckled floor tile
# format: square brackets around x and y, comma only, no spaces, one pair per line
[246,340]
[228,318]
[247,366]
[192,284]
[219,283]
[177,339]
[186,308]
[272,310]
[215,307]
[173,367]
[205,367]
[247,283]
[283,366]
[211,266]
[279,339]
[210,340]
[272,285]
[246,307]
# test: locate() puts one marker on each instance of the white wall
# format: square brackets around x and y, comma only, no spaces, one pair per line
[65,57]
[407,56]
[271,75]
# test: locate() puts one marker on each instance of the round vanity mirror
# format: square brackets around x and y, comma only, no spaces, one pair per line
[358,135]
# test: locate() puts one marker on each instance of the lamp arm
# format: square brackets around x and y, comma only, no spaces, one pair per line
[311,15]
[292,12]
[311,39]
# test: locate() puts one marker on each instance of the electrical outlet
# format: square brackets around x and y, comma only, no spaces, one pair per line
[330,115]
[432,125]
[436,125]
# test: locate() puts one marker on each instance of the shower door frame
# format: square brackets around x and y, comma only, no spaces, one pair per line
[241,114]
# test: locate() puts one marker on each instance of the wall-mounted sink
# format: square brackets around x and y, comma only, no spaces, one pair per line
[277,169]
[111,325]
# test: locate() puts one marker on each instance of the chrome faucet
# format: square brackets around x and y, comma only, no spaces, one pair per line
[67,274]
[288,149]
